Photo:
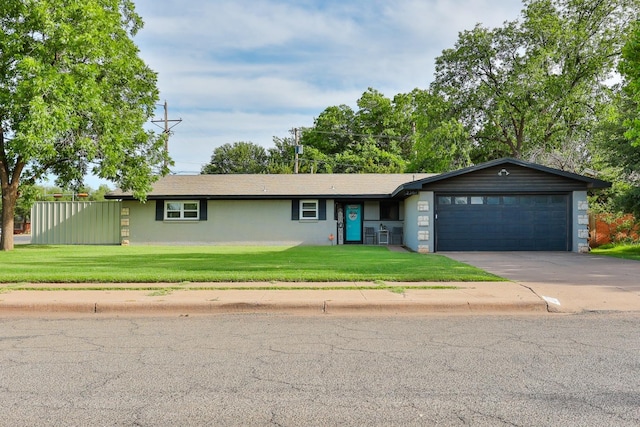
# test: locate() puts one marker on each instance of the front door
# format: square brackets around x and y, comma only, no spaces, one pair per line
[353,223]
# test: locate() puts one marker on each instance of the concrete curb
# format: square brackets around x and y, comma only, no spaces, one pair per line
[419,308]
[319,307]
[460,298]
[44,308]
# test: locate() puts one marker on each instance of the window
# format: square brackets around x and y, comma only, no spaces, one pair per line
[389,211]
[308,209]
[182,210]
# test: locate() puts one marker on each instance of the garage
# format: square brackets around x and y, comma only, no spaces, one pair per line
[508,222]
[501,205]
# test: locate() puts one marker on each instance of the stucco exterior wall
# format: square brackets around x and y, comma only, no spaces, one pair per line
[419,222]
[580,221]
[231,222]
[411,222]
[371,211]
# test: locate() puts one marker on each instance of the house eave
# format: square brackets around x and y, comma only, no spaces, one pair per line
[590,183]
[255,197]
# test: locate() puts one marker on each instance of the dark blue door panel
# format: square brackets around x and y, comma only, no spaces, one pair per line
[502,223]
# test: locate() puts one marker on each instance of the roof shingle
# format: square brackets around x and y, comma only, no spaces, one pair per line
[276,185]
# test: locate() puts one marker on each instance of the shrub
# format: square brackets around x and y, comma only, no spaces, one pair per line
[620,228]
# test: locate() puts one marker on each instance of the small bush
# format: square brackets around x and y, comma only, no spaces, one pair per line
[622,228]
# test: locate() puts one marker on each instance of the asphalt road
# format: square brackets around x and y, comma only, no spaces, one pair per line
[290,371]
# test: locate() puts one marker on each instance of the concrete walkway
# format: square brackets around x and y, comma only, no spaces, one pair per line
[540,282]
[476,297]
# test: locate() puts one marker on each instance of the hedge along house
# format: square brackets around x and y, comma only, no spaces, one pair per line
[503,205]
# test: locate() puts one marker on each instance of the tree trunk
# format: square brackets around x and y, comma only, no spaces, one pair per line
[9,199]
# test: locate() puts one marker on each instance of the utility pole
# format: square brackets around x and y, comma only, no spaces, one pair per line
[166,128]
[297,151]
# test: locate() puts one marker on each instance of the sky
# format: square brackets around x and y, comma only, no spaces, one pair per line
[249,70]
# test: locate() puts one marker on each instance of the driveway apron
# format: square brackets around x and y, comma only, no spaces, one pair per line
[582,281]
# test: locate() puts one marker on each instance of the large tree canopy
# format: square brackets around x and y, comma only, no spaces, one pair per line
[618,140]
[630,69]
[239,157]
[616,157]
[387,135]
[74,96]
[367,140]
[440,142]
[409,132]
[536,82]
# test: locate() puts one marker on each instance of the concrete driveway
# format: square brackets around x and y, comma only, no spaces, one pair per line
[578,282]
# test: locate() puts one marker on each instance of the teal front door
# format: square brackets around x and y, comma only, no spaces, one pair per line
[353,223]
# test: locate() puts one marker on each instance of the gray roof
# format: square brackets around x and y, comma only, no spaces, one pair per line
[276,186]
[589,182]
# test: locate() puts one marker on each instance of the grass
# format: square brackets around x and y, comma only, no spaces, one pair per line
[619,251]
[184,264]
[160,292]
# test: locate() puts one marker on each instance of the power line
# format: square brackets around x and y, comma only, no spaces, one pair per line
[166,129]
[347,133]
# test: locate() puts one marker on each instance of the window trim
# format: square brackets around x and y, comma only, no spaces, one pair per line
[182,210]
[315,210]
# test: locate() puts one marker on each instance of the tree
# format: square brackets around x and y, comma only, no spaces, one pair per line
[74,96]
[367,157]
[239,157]
[630,69]
[315,161]
[333,131]
[281,155]
[630,151]
[618,160]
[534,83]
[375,138]
[617,147]
[440,142]
[385,125]
[409,133]
[98,194]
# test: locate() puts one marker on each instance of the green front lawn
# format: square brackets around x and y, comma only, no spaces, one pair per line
[121,264]
[619,251]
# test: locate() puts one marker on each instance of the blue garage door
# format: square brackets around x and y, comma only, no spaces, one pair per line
[502,222]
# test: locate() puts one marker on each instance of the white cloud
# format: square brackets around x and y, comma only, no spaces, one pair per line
[211,129]
[248,70]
